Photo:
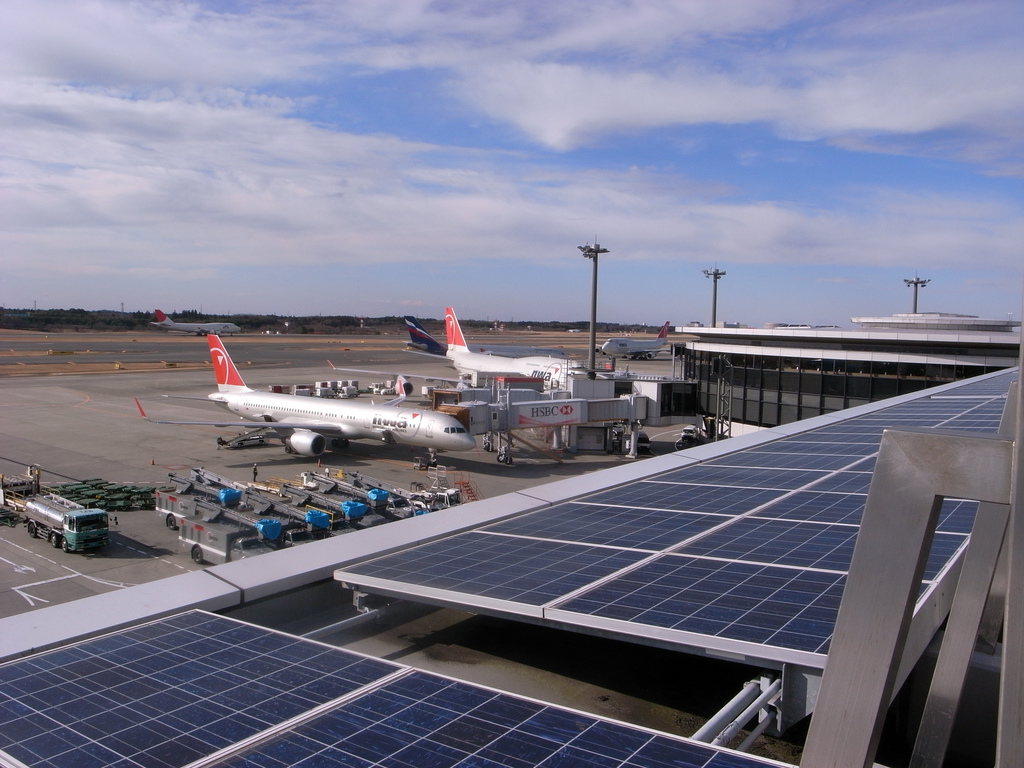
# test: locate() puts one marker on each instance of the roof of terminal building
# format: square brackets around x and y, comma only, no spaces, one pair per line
[1003,342]
[938,321]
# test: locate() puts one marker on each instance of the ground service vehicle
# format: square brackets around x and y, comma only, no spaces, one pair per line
[67,525]
[213,542]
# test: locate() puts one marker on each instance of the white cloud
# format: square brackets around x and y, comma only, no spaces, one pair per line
[160,143]
[858,87]
[106,42]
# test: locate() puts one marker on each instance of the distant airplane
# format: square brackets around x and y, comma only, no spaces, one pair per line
[421,339]
[554,370]
[637,349]
[310,425]
[199,329]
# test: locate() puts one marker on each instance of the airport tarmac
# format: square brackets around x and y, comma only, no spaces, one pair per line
[76,425]
[68,406]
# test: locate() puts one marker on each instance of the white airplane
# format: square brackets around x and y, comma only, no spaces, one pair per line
[637,349]
[310,425]
[554,370]
[199,329]
[421,339]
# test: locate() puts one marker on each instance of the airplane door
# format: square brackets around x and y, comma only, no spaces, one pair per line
[430,428]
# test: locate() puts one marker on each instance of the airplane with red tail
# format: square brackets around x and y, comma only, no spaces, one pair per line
[311,425]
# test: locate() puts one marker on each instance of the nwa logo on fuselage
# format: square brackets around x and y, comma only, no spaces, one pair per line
[396,423]
[547,374]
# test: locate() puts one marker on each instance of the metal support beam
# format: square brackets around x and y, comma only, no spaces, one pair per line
[1009,744]
[965,620]
[914,472]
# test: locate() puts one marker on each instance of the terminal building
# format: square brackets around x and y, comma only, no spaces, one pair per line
[780,375]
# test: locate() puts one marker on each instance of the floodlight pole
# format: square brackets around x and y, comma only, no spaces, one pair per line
[715,274]
[917,282]
[592,252]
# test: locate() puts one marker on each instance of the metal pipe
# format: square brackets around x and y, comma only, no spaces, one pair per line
[722,718]
[748,742]
[729,732]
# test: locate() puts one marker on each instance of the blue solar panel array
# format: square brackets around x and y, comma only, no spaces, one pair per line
[422,720]
[167,693]
[751,547]
[194,686]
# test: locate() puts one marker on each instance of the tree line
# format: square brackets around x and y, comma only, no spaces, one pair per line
[58,320]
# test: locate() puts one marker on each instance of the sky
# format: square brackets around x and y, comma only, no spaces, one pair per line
[399,156]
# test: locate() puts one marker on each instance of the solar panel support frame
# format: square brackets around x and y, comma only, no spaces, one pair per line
[915,471]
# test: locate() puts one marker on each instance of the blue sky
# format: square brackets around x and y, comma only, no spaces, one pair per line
[398,156]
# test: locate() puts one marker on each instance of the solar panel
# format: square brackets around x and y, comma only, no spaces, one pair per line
[781,458]
[782,478]
[819,506]
[747,547]
[801,544]
[167,693]
[532,571]
[658,493]
[633,528]
[425,720]
[760,604]
[845,482]
[197,687]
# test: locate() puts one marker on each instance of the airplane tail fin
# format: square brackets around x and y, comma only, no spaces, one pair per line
[663,333]
[162,318]
[404,388]
[419,337]
[453,330]
[228,378]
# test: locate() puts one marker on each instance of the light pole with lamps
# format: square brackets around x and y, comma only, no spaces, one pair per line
[715,274]
[916,283]
[592,252]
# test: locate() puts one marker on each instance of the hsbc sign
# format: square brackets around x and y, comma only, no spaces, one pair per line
[549,413]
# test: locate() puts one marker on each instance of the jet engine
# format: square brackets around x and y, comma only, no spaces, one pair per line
[306,443]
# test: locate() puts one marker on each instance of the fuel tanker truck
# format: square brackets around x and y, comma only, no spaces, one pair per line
[65,525]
